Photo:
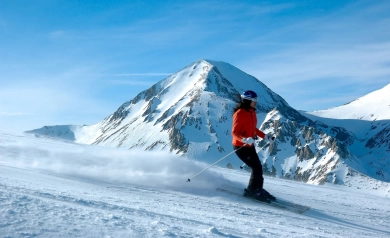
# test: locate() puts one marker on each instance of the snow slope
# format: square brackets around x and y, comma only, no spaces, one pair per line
[52,188]
[371,107]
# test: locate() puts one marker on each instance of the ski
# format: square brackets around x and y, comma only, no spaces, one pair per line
[280,204]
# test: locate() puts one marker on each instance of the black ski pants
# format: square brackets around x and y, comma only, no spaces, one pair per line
[249,156]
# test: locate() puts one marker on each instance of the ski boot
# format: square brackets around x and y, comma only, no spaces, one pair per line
[268,195]
[256,194]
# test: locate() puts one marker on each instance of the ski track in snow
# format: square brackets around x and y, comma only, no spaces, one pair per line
[44,194]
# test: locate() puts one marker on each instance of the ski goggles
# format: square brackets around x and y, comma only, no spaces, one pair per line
[251,99]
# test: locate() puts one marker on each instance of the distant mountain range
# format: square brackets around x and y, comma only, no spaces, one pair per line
[189,113]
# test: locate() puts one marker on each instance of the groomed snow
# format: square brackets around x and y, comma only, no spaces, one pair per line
[50,188]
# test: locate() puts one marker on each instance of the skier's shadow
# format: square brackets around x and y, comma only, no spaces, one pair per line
[313,213]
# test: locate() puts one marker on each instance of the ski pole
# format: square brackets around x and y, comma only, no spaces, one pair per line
[189,180]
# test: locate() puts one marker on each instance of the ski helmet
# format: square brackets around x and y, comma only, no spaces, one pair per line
[249,95]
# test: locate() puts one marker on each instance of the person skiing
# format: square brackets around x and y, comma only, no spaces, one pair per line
[244,132]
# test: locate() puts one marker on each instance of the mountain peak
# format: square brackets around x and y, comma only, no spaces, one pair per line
[371,107]
[173,112]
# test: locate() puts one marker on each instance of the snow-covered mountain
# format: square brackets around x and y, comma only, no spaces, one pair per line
[368,119]
[374,106]
[189,114]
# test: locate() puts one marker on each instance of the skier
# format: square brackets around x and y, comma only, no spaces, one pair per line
[244,131]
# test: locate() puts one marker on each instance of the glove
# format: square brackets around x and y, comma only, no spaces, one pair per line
[269,138]
[248,141]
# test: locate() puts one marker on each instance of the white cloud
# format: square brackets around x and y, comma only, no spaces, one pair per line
[15,114]
[309,63]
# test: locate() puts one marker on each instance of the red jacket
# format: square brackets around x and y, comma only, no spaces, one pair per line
[245,125]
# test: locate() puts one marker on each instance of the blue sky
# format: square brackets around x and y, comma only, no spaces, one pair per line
[76,62]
